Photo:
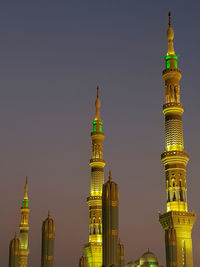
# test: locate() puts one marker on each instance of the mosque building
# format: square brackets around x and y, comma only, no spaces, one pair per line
[177,222]
[104,248]
[148,259]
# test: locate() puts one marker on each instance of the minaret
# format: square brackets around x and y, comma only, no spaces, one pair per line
[14,250]
[93,249]
[48,238]
[24,228]
[110,218]
[177,221]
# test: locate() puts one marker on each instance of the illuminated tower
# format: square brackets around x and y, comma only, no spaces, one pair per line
[48,238]
[14,250]
[110,218]
[177,221]
[93,249]
[24,228]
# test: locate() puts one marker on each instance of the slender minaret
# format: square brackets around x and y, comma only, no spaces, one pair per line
[110,217]
[14,250]
[48,238]
[93,249]
[24,228]
[177,221]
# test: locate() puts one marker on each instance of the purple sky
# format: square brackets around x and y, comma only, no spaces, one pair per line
[53,55]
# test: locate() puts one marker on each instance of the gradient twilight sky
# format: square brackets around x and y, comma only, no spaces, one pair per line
[53,55]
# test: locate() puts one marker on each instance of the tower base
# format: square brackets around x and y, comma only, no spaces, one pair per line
[178,242]
[93,253]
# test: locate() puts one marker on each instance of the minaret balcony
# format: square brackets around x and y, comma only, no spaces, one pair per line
[171,157]
[171,73]
[173,108]
[97,163]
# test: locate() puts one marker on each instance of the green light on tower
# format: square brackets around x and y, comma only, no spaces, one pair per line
[167,64]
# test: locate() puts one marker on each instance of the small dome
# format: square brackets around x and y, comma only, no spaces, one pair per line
[148,258]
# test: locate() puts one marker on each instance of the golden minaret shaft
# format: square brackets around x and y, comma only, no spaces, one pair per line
[177,221]
[93,249]
[24,228]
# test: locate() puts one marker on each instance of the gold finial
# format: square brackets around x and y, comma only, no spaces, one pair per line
[15,236]
[110,176]
[48,214]
[170,37]
[26,189]
[97,105]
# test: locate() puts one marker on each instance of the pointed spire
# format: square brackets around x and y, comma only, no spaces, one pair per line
[48,214]
[26,189]
[110,176]
[170,22]
[97,105]
[170,37]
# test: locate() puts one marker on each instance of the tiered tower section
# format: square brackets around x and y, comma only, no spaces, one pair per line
[24,228]
[177,221]
[93,249]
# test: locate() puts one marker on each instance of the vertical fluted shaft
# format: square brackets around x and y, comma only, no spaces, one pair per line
[48,239]
[14,252]
[110,199]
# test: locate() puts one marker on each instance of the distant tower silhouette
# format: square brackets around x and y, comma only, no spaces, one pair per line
[177,221]
[14,250]
[48,238]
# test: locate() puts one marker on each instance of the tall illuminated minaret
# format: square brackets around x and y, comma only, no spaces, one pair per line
[93,249]
[177,221]
[24,228]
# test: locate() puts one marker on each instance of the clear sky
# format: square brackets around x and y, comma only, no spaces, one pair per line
[53,54]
